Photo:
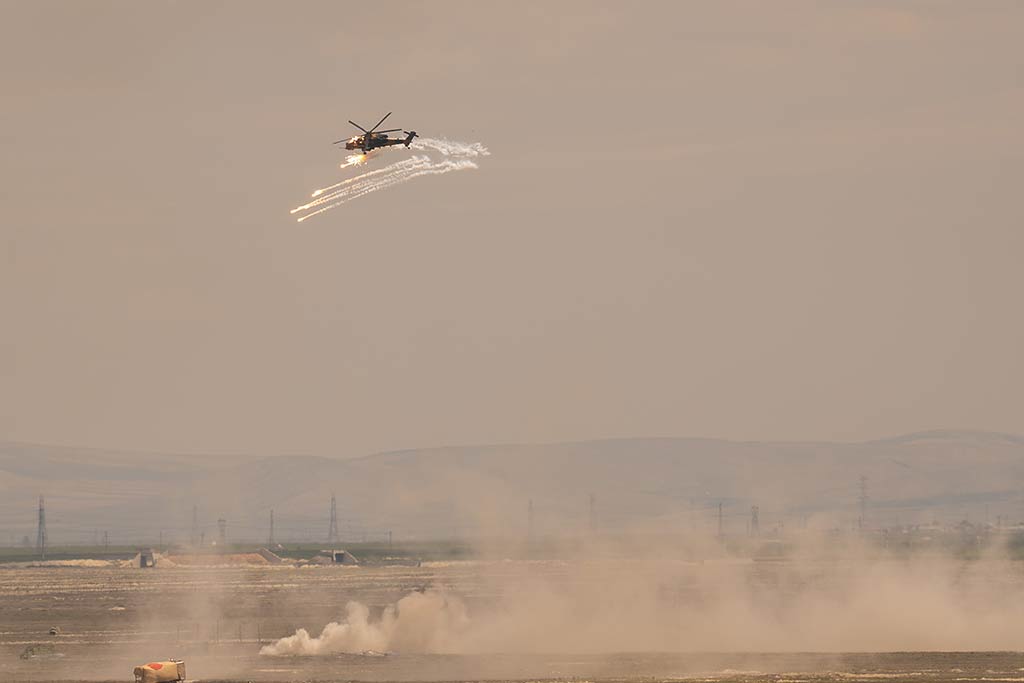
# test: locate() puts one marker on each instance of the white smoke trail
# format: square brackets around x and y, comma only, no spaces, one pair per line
[458,156]
[452,148]
[365,185]
[437,168]
[345,185]
[395,178]
[442,167]
[321,198]
[350,160]
[426,168]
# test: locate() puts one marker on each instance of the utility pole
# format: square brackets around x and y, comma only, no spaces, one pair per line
[529,520]
[195,526]
[41,530]
[270,541]
[332,533]
[863,500]
[719,519]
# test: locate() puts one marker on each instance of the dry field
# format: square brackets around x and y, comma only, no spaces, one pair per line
[217,618]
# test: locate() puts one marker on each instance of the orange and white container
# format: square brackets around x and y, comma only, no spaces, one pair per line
[160,672]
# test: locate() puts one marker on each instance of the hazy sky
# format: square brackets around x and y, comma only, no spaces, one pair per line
[752,220]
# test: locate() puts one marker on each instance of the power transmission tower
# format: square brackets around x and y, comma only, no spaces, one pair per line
[106,540]
[755,521]
[863,500]
[332,532]
[222,529]
[719,519]
[41,530]
[270,541]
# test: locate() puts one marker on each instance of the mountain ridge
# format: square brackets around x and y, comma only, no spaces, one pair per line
[646,482]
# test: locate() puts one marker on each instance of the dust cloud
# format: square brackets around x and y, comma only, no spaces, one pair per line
[419,622]
[654,604]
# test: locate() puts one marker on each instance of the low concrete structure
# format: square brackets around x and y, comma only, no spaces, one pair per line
[145,559]
[270,557]
[334,557]
[343,557]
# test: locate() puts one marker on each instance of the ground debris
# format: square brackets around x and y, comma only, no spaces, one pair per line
[42,651]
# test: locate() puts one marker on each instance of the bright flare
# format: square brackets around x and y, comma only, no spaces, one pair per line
[456,156]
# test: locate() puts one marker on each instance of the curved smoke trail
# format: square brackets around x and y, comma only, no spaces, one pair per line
[455,156]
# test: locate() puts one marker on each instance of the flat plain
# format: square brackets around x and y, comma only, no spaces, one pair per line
[217,618]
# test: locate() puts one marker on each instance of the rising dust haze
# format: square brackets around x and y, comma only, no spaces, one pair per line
[822,602]
[811,240]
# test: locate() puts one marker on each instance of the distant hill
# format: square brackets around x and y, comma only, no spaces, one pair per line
[643,483]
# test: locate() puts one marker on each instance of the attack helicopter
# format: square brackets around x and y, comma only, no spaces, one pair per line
[374,139]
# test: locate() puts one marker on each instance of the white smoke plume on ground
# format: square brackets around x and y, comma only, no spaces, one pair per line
[419,622]
[658,606]
[455,156]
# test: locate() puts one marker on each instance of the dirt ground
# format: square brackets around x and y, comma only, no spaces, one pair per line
[216,618]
